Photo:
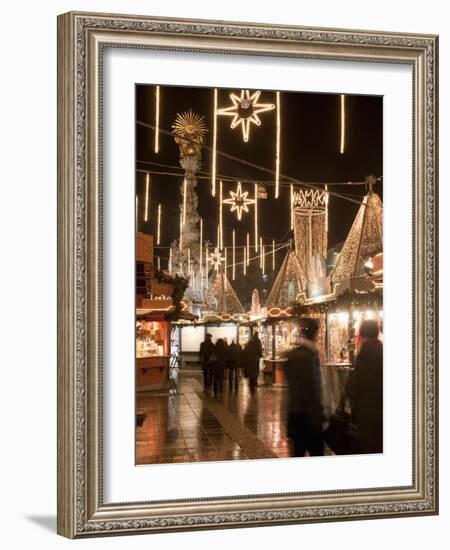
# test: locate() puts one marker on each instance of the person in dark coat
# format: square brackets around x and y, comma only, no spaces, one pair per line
[304,379]
[218,366]
[234,359]
[206,350]
[365,389]
[252,355]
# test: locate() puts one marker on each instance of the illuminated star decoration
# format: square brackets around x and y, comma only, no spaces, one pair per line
[245,110]
[216,259]
[239,201]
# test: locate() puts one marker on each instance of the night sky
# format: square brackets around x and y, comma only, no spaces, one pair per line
[310,138]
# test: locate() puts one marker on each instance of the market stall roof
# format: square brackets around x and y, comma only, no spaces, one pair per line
[365,239]
[221,297]
[289,283]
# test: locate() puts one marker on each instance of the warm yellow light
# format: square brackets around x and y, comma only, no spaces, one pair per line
[213,168]
[273,255]
[245,110]
[262,253]
[292,206]
[147,193]
[234,254]
[159,263]
[245,260]
[184,199]
[226,261]
[256,217]
[263,259]
[218,237]
[342,123]
[221,212]
[157,96]
[170,260]
[327,197]
[239,201]
[158,235]
[137,211]
[277,153]
[248,248]
[201,251]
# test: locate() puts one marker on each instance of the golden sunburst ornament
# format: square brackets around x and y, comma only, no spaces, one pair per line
[245,111]
[239,201]
[189,125]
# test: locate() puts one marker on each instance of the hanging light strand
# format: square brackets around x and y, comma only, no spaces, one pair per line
[234,255]
[245,261]
[213,168]
[157,99]
[262,253]
[263,256]
[147,195]
[326,208]
[221,212]
[292,206]
[342,148]
[273,255]
[277,153]
[248,248]
[184,199]
[137,212]
[201,252]
[158,234]
[256,217]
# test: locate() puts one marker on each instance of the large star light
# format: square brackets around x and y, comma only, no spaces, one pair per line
[239,201]
[216,259]
[245,110]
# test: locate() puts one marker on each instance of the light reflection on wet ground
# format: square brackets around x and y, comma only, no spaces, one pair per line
[192,426]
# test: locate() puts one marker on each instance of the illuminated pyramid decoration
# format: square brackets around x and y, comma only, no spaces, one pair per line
[364,240]
[290,282]
[221,297]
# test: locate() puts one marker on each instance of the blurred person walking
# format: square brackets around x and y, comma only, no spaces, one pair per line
[365,389]
[218,366]
[252,355]
[206,351]
[234,360]
[304,378]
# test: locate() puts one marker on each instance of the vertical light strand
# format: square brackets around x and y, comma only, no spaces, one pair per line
[292,206]
[221,212]
[248,248]
[137,211]
[157,96]
[261,253]
[181,230]
[214,144]
[226,261]
[327,196]
[277,153]
[218,237]
[206,267]
[201,252]
[184,199]
[170,260]
[273,255]
[342,124]
[159,263]
[256,217]
[158,234]
[245,261]
[263,256]
[234,254]
[147,195]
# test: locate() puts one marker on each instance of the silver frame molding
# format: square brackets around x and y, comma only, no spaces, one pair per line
[81,39]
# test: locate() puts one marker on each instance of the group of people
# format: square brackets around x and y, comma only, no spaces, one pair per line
[364,390]
[220,357]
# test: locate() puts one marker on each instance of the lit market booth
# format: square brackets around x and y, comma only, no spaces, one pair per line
[340,301]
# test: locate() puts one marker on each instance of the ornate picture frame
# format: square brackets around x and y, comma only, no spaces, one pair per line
[82,37]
